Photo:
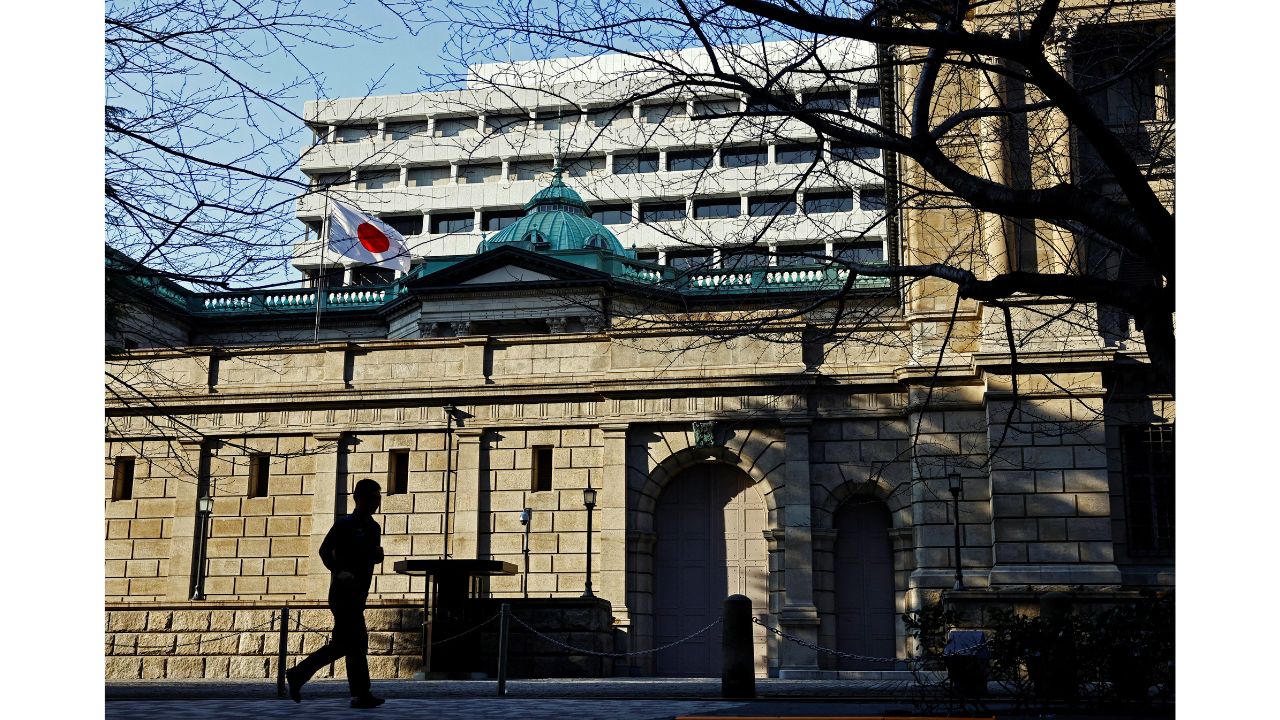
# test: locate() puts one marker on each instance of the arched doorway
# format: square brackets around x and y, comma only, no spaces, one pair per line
[866,619]
[710,522]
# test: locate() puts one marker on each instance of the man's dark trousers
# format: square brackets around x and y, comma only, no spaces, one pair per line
[350,639]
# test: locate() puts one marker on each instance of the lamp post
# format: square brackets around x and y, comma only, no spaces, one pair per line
[204,508]
[957,491]
[589,500]
[526,519]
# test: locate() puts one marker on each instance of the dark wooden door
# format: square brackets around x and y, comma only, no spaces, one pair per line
[710,524]
[865,617]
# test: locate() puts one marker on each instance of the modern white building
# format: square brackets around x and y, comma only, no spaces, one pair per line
[675,179]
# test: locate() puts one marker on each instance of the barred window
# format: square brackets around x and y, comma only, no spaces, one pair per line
[122,486]
[1148,462]
[259,475]
[397,472]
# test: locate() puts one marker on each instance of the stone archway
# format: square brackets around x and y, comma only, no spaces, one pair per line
[709,524]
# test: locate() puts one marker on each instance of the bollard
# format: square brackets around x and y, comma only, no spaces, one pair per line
[282,652]
[504,627]
[738,673]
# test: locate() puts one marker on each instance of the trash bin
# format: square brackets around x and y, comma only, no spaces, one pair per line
[966,657]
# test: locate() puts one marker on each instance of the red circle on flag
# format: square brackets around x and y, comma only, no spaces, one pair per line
[373,239]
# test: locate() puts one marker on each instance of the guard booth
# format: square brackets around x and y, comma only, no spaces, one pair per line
[546,634]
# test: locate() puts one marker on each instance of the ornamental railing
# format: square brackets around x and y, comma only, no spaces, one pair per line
[294,299]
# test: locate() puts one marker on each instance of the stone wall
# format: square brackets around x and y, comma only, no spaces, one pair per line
[139,531]
[225,641]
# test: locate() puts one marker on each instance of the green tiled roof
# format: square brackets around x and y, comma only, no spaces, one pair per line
[556,218]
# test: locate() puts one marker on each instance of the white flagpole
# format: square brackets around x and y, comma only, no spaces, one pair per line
[324,240]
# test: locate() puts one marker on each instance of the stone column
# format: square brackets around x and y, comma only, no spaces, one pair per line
[328,487]
[466,523]
[182,543]
[613,522]
[799,616]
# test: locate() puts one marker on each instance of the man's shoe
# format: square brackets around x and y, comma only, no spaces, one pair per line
[295,687]
[366,701]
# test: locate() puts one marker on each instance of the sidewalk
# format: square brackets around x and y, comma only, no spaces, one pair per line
[614,688]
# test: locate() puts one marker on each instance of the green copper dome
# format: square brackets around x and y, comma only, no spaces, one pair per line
[556,218]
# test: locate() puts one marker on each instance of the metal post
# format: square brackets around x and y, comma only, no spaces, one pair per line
[956,489]
[283,652]
[737,673]
[504,628]
[426,627]
[589,501]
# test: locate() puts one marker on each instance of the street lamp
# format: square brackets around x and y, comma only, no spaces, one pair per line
[589,500]
[526,519]
[204,508]
[957,491]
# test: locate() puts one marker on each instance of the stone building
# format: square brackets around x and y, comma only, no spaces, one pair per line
[812,474]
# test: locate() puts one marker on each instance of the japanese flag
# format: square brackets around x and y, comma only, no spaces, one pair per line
[366,239]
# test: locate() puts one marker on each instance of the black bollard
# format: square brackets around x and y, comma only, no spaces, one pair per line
[738,675]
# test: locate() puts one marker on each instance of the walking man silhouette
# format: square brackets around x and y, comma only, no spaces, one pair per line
[349,551]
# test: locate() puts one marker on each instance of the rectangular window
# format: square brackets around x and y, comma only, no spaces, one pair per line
[647,255]
[355,133]
[756,107]
[656,114]
[744,157]
[333,277]
[505,123]
[818,203]
[541,468]
[377,179]
[372,276]
[604,118]
[453,223]
[1148,464]
[863,253]
[529,170]
[122,484]
[689,259]
[635,164]
[428,176]
[330,179]
[479,173]
[584,166]
[794,154]
[794,255]
[662,212]
[718,108]
[765,206]
[690,160]
[853,152]
[453,127]
[717,208]
[611,214]
[259,475]
[868,98]
[744,258]
[405,224]
[405,130]
[498,219]
[836,100]
[397,472]
[871,199]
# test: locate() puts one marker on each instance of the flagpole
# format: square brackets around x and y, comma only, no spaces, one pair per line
[324,239]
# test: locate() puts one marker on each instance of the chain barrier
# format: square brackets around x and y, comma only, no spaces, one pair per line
[865,658]
[237,633]
[584,651]
[466,632]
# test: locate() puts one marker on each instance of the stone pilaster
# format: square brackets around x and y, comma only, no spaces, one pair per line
[799,615]
[466,522]
[613,522]
[328,488]
[183,538]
